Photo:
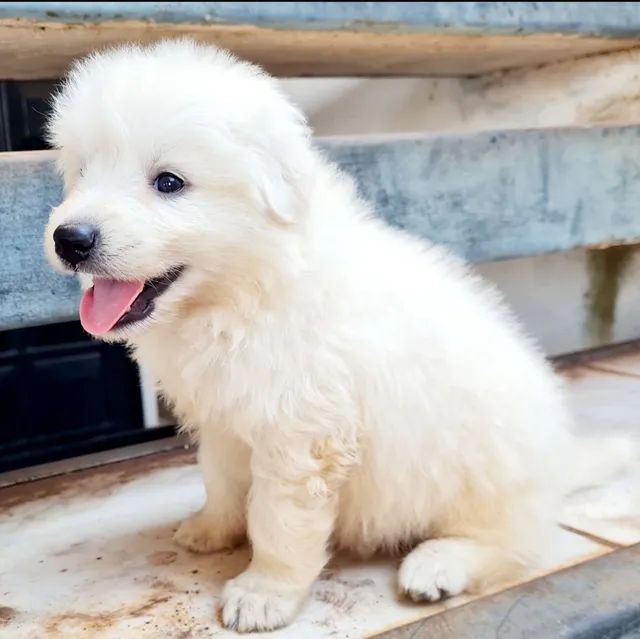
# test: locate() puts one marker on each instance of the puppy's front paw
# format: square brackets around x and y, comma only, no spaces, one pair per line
[204,533]
[257,603]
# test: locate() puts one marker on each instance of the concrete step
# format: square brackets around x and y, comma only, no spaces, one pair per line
[486,196]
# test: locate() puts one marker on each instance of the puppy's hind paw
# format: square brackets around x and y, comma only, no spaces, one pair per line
[433,571]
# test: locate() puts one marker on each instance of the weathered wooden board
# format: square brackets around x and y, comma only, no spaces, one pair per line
[38,39]
[486,196]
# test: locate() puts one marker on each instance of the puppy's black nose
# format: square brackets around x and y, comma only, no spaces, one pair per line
[74,242]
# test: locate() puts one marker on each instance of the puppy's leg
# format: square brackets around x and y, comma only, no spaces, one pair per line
[448,566]
[292,509]
[221,523]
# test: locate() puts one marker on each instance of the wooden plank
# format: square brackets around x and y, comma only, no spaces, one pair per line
[38,39]
[594,600]
[486,196]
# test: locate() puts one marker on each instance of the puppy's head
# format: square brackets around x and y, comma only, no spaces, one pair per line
[185,172]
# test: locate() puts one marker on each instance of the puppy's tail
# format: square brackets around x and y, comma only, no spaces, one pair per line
[598,459]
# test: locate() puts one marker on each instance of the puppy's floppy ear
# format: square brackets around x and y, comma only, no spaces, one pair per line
[287,170]
[283,191]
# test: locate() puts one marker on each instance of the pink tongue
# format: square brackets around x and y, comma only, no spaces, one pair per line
[104,304]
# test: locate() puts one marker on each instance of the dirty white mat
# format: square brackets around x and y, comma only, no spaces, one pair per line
[89,555]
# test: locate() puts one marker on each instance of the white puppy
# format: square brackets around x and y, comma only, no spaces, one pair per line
[350,386]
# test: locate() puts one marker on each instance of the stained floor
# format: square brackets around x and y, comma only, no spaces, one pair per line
[89,554]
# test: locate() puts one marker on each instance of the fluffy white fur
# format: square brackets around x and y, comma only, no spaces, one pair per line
[350,385]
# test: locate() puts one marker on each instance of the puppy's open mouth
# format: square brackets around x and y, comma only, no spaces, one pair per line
[112,304]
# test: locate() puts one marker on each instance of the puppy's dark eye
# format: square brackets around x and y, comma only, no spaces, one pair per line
[168,183]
